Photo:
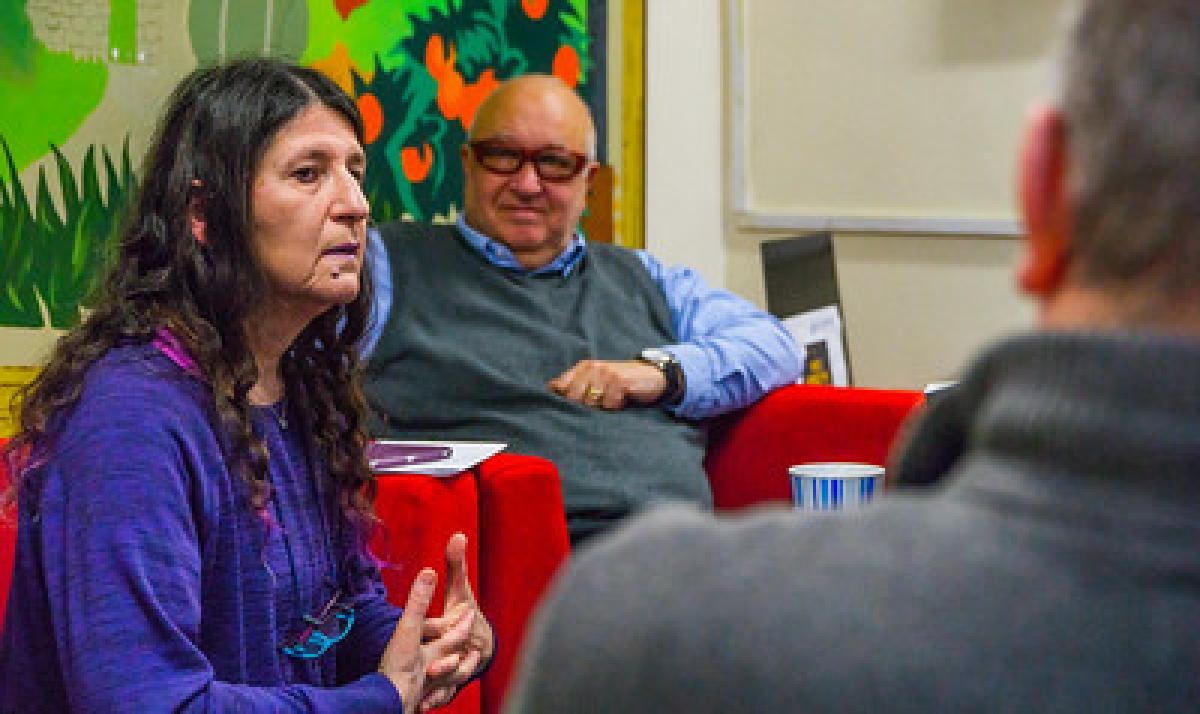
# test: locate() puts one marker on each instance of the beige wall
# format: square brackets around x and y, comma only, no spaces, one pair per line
[684,157]
[916,306]
[900,108]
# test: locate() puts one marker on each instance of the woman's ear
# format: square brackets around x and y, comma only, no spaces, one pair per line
[1045,205]
[196,213]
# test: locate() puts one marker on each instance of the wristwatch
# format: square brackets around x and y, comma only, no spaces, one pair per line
[666,363]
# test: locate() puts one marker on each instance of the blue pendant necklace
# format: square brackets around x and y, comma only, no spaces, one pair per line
[317,632]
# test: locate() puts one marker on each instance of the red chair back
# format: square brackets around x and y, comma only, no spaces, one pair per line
[523,541]
[749,452]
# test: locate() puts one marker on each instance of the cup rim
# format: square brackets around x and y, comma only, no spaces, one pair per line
[836,469]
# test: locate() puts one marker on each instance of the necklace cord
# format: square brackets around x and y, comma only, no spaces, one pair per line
[324,526]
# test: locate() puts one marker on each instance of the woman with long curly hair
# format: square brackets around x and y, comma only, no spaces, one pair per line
[190,471]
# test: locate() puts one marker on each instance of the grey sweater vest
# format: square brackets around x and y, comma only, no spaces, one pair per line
[469,348]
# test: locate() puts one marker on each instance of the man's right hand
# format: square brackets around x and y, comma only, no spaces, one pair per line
[405,660]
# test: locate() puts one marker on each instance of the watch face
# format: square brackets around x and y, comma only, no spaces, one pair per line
[657,356]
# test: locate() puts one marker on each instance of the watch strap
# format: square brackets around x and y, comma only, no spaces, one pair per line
[673,373]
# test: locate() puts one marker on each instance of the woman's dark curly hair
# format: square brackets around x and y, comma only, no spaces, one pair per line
[218,123]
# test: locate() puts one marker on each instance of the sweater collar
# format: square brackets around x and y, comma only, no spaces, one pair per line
[167,343]
[1116,408]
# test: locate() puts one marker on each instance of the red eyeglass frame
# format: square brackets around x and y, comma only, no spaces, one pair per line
[527,156]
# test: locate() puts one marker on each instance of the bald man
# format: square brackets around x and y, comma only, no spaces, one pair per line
[510,326]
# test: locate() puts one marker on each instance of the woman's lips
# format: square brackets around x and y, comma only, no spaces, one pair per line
[347,249]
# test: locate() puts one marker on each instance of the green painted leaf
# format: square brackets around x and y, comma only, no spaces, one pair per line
[223,29]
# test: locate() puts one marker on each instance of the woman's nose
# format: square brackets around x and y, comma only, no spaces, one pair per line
[353,203]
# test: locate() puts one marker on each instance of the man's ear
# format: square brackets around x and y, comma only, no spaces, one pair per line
[196,214]
[1044,202]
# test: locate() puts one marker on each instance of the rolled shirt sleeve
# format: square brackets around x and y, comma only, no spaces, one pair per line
[732,352]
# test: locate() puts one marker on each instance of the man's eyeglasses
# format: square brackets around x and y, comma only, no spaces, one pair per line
[552,164]
[317,634]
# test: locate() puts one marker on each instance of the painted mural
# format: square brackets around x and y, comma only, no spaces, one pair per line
[417,68]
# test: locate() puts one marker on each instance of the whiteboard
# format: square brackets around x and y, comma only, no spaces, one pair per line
[884,115]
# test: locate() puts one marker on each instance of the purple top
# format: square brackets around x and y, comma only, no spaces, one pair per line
[144,581]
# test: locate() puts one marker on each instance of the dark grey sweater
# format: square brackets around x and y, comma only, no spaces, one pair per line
[469,349]
[1054,568]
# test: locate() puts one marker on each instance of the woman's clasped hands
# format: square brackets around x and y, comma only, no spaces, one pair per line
[430,658]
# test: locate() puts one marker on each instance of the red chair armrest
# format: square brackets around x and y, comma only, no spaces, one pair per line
[523,541]
[750,451]
[510,507]
[419,514]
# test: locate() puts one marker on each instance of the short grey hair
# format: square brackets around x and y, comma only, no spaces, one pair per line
[1131,101]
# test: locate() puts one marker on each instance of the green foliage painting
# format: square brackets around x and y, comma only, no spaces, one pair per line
[48,259]
[418,70]
[219,30]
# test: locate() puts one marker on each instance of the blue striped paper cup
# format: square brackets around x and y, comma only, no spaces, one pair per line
[833,485]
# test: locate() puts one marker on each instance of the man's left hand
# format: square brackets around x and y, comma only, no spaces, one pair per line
[611,384]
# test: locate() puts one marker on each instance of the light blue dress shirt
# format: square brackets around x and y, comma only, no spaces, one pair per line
[731,352]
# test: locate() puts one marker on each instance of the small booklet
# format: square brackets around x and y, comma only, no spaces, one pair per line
[434,458]
[819,334]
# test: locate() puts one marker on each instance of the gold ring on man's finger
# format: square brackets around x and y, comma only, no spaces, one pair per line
[593,395]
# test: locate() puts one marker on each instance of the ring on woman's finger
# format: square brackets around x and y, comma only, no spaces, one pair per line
[593,395]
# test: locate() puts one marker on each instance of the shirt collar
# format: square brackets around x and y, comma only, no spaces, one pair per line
[499,255]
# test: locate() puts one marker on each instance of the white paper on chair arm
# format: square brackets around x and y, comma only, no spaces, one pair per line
[464,455]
